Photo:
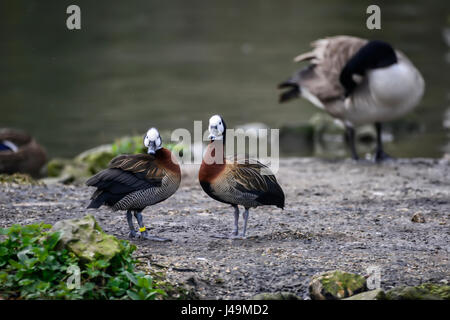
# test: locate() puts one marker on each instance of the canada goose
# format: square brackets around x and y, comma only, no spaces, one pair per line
[247,183]
[357,81]
[133,182]
[19,152]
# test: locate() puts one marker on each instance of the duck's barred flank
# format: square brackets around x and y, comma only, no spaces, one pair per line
[133,182]
[147,197]
[228,194]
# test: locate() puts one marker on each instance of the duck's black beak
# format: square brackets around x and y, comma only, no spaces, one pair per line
[151,148]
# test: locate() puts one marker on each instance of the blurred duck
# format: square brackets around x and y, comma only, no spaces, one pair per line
[19,152]
[358,82]
[133,182]
[247,183]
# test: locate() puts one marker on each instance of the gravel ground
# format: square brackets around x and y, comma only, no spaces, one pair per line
[339,214]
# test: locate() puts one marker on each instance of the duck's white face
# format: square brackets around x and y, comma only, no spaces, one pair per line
[216,128]
[152,140]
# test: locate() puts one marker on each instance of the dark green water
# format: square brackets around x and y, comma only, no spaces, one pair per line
[136,64]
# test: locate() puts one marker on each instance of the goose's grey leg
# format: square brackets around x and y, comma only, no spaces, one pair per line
[143,230]
[132,233]
[380,155]
[350,131]
[245,215]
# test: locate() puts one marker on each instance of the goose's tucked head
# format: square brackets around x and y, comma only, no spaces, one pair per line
[379,54]
[374,55]
[152,140]
[216,128]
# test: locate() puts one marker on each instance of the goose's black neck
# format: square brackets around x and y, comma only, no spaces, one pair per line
[375,54]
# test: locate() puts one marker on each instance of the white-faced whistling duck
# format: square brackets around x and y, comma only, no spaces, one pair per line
[133,182]
[248,183]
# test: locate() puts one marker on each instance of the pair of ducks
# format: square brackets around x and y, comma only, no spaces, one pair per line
[355,80]
[133,182]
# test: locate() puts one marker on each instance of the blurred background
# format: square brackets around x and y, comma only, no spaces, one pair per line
[136,64]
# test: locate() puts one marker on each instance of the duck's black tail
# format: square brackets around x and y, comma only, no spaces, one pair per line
[98,199]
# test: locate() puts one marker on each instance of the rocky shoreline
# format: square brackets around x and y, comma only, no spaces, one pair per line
[339,215]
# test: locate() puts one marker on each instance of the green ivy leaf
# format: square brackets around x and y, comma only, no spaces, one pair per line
[3,251]
[131,277]
[53,240]
[133,295]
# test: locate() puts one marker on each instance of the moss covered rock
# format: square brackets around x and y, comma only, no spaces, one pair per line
[368,295]
[86,239]
[56,166]
[323,123]
[92,161]
[80,168]
[276,296]
[337,284]
[96,159]
[298,137]
[425,291]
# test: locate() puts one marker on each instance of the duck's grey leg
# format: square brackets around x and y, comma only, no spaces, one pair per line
[245,215]
[132,233]
[236,220]
[236,226]
[143,230]
[350,131]
[380,155]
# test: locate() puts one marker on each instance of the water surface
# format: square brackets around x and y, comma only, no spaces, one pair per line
[145,63]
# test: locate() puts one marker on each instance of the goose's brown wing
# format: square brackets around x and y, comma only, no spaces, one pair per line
[327,59]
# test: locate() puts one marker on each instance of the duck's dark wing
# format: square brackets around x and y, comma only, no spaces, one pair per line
[126,174]
[254,177]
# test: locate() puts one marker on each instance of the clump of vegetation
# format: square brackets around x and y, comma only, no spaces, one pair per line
[336,284]
[94,160]
[18,178]
[32,267]
[128,145]
[424,291]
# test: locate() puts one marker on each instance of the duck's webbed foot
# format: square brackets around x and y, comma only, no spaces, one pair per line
[143,231]
[133,234]
[235,234]
[145,235]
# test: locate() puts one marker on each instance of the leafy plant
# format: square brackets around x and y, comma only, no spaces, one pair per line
[128,145]
[33,267]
